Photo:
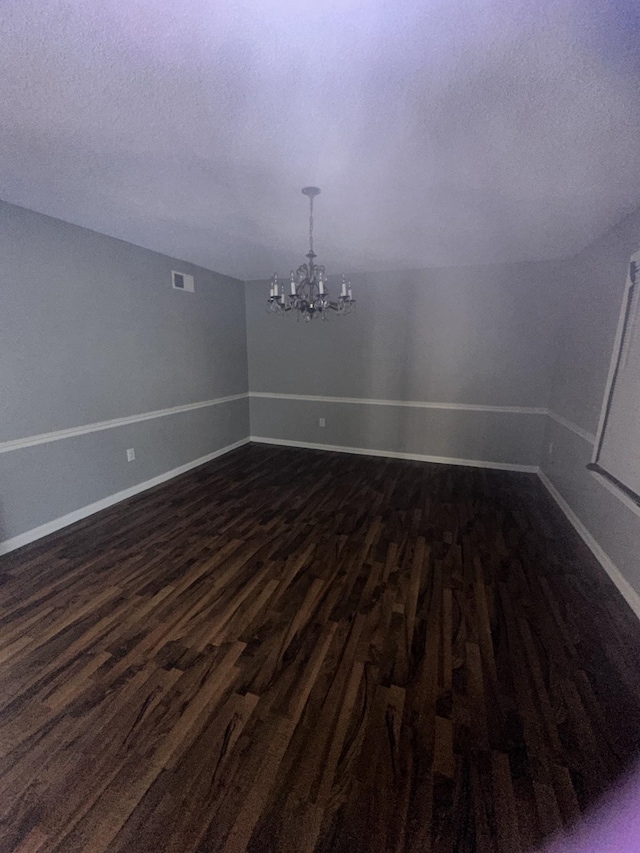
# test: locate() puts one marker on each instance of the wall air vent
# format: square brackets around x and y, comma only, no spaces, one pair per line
[182,281]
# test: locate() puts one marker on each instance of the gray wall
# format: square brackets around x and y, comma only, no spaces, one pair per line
[593,286]
[91,330]
[485,336]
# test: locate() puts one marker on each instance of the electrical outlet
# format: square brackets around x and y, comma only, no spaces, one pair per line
[322,422]
[131,454]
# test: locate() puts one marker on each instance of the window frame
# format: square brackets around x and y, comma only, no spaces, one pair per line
[632,286]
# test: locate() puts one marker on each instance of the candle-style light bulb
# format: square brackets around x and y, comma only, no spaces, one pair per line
[343,292]
[293,284]
[321,285]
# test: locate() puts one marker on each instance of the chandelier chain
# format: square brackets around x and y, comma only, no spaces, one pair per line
[311,223]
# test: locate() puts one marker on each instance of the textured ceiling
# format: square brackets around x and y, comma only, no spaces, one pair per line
[441,132]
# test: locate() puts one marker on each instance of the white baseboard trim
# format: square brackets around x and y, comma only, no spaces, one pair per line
[626,590]
[77,515]
[390,454]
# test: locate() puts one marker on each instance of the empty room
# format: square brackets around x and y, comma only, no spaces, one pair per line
[319,426]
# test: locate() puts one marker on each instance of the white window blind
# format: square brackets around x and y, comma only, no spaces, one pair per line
[617,452]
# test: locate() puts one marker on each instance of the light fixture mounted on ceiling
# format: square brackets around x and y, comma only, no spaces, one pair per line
[308,293]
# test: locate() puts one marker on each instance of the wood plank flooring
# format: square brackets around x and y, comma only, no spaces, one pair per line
[289,650]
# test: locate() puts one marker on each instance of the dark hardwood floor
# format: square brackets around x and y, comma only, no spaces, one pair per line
[289,650]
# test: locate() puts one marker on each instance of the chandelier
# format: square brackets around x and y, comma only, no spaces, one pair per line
[308,294]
